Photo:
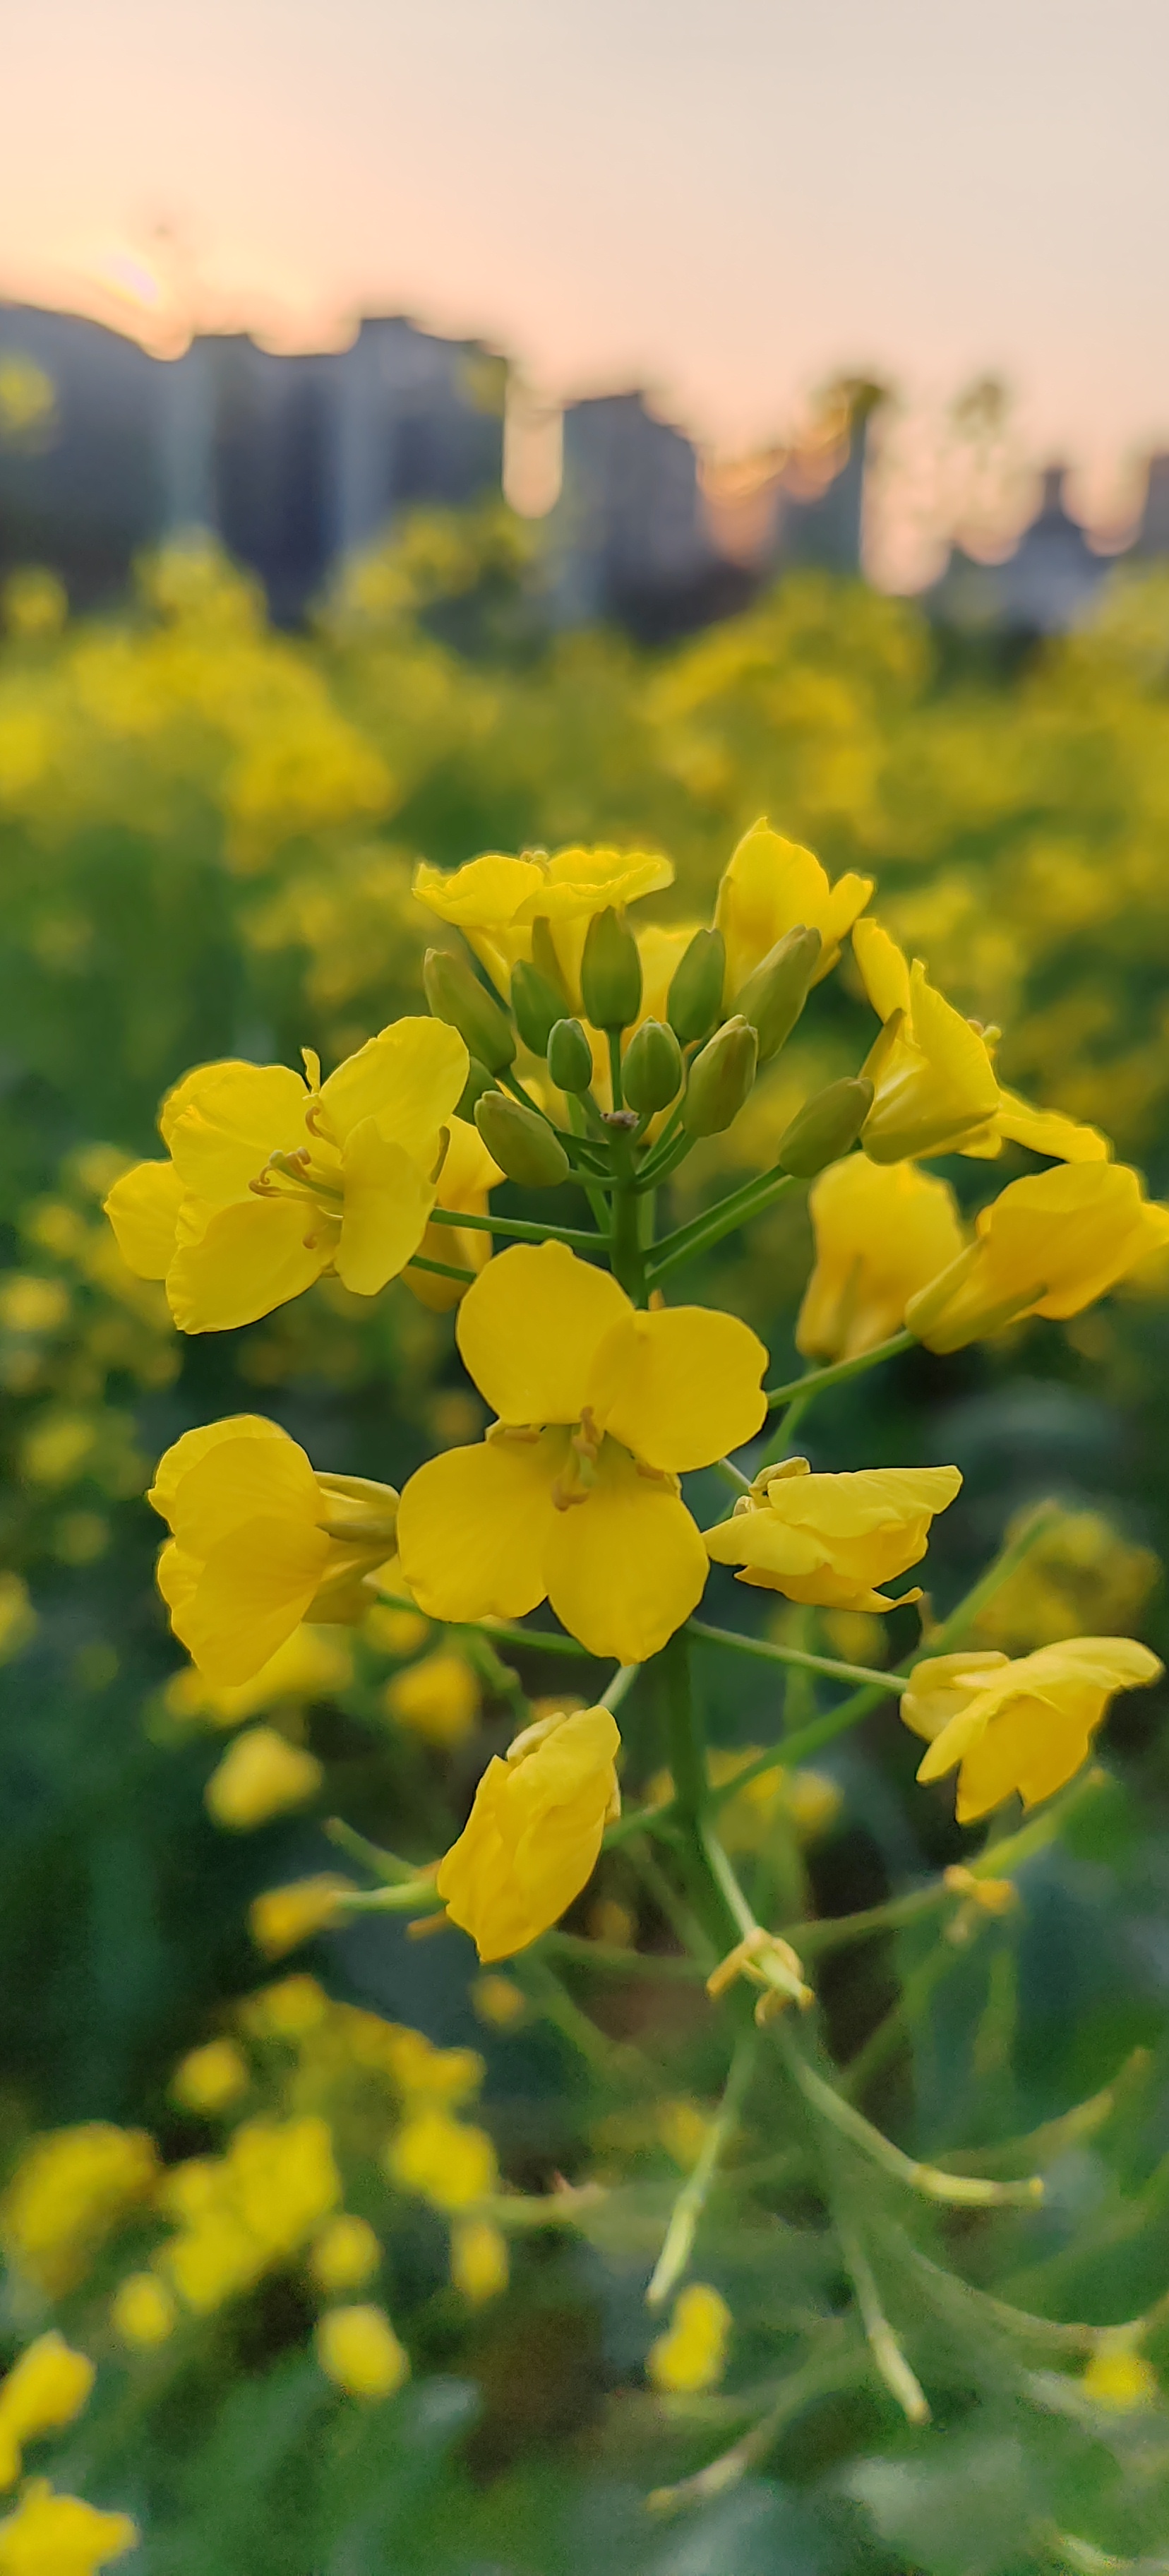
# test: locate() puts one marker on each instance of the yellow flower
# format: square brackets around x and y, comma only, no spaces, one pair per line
[310,1665]
[531,1840]
[142,2311]
[210,2078]
[1079,1573]
[358,2349]
[437,1699]
[692,2354]
[479,2264]
[883,1231]
[58,2535]
[273,1180]
[44,2390]
[770,886]
[573,1495]
[396,1632]
[497,2002]
[290,2009]
[261,1775]
[1120,2378]
[934,1083]
[345,2255]
[250,2208]
[444,2160]
[259,1541]
[1026,1725]
[70,2188]
[468,1173]
[495,900]
[1049,1245]
[283,1917]
[829,1539]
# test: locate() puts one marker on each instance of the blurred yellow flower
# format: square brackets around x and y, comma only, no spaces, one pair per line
[883,1231]
[70,2188]
[531,1840]
[1049,1245]
[771,886]
[18,1619]
[283,1917]
[345,2255]
[1079,1573]
[437,1699]
[573,1495]
[396,1632]
[468,1173]
[358,2349]
[46,2387]
[210,2078]
[58,2535]
[261,1775]
[142,2310]
[495,900]
[312,1664]
[830,1539]
[934,1083]
[259,1541]
[273,1180]
[1025,1726]
[692,2354]
[1120,2378]
[445,2161]
[498,2002]
[479,2261]
[249,2208]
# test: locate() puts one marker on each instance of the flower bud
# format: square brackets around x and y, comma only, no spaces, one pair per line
[695,998]
[774,996]
[570,1057]
[721,1079]
[478,1081]
[456,995]
[651,1075]
[610,971]
[523,1144]
[536,1006]
[826,1127]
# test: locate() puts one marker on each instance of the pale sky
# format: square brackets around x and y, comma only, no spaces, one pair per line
[727,200]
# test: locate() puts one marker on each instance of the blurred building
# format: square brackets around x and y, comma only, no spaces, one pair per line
[1152,536]
[81,474]
[1050,581]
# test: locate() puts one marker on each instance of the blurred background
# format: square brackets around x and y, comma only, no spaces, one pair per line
[491,426]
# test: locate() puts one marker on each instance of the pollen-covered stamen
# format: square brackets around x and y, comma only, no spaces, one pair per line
[292,1175]
[577,1477]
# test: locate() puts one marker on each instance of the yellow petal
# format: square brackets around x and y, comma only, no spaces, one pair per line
[1047,1131]
[186,1452]
[487,894]
[387,1203]
[235,1480]
[408,1078]
[883,966]
[529,1328]
[586,881]
[627,1566]
[1032,1748]
[142,1208]
[255,1588]
[680,1387]
[225,1121]
[474,1526]
[252,1257]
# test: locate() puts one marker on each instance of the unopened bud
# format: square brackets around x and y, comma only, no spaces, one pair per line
[478,1081]
[721,1079]
[610,971]
[536,1006]
[456,995]
[651,1075]
[695,998]
[570,1057]
[522,1142]
[774,995]
[826,1127]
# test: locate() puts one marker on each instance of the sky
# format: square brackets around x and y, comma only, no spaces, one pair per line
[725,200]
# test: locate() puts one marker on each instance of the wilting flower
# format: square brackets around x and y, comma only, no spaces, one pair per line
[692,2354]
[934,1083]
[770,886]
[468,1173]
[883,1230]
[495,900]
[259,1542]
[531,1840]
[273,1180]
[830,1539]
[1026,1725]
[573,1495]
[1050,1245]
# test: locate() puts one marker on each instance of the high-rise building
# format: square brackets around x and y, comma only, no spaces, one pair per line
[80,463]
[627,538]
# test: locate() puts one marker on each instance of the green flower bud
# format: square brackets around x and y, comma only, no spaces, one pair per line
[570,1057]
[522,1142]
[545,959]
[651,1075]
[774,995]
[478,1081]
[456,995]
[721,1079]
[695,998]
[536,1006]
[610,971]
[826,1127]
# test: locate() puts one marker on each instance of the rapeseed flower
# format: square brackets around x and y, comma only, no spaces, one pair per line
[59,2535]
[261,1775]
[934,1085]
[252,2207]
[883,1231]
[495,901]
[44,2390]
[1026,1725]
[283,1917]
[531,1840]
[468,1173]
[692,2354]
[437,1699]
[830,1539]
[273,1179]
[770,886]
[573,1494]
[479,2260]
[448,2162]
[142,2311]
[312,1664]
[210,2078]
[259,1542]
[1049,1245]
[70,2189]
[359,2351]
[1119,2377]
[345,2255]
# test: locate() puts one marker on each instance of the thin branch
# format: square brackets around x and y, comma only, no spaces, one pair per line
[678,2241]
[815,1380]
[578,1238]
[766,1652]
[899,2379]
[441,1269]
[957,2191]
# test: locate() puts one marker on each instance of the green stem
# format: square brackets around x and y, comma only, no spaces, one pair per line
[706,1230]
[717,1909]
[899,2379]
[578,1238]
[615,1082]
[626,1252]
[382,1865]
[506,1632]
[658,1166]
[442,1269]
[815,1380]
[578,1116]
[678,2241]
[955,2191]
[607,1959]
[765,1652]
